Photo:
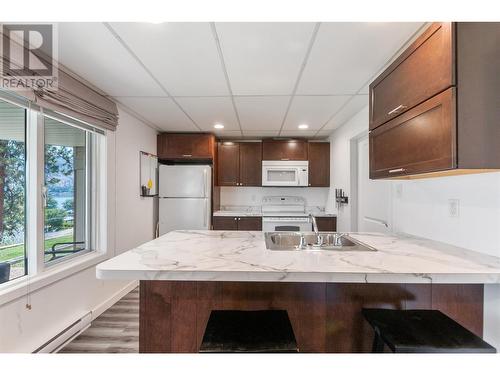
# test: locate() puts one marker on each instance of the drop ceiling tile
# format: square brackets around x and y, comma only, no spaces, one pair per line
[365,90]
[298,133]
[261,112]
[260,133]
[233,134]
[264,58]
[92,52]
[356,104]
[346,55]
[314,111]
[183,56]
[207,111]
[162,112]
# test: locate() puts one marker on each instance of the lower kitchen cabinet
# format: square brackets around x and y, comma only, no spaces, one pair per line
[237,223]
[327,224]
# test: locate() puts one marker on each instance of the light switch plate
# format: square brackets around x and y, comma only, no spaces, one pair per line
[454,207]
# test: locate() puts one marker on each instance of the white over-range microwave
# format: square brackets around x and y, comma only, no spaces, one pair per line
[285,173]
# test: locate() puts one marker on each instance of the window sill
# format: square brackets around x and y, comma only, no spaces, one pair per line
[19,288]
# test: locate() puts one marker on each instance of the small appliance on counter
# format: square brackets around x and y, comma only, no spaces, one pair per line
[285,214]
[184,197]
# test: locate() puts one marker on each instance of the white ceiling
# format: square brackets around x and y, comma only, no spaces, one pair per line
[258,79]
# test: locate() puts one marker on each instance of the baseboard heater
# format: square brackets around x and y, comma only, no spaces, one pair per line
[66,335]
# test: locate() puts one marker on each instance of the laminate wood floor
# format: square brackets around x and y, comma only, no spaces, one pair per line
[114,331]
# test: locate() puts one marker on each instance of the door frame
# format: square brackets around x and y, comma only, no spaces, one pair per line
[353,149]
[355,186]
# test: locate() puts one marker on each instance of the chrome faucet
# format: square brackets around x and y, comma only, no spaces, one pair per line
[315,225]
[319,237]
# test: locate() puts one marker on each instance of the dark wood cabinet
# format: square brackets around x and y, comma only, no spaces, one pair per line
[251,164]
[228,164]
[326,224]
[319,164]
[186,146]
[224,223]
[447,82]
[239,164]
[419,141]
[250,223]
[284,150]
[423,70]
[237,223]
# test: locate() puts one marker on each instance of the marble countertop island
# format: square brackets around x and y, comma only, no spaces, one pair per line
[242,256]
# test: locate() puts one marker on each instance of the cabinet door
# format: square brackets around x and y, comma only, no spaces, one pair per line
[225,223]
[228,164]
[319,164]
[419,141]
[327,224]
[250,164]
[423,70]
[284,150]
[249,223]
[185,146]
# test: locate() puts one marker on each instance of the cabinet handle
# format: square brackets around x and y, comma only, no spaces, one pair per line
[397,109]
[235,218]
[285,159]
[186,155]
[397,170]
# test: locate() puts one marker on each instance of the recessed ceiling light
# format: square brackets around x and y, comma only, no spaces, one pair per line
[219,126]
[303,126]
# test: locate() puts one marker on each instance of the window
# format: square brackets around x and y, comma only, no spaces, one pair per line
[67,181]
[49,188]
[12,191]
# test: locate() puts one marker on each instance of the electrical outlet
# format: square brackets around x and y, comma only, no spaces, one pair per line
[454,207]
[399,191]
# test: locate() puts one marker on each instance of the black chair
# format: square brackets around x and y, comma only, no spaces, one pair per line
[4,272]
[421,331]
[232,331]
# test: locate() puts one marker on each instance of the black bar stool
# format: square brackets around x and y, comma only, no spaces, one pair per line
[234,331]
[421,331]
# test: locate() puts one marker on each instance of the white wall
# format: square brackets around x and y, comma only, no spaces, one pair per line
[130,223]
[340,164]
[252,196]
[420,207]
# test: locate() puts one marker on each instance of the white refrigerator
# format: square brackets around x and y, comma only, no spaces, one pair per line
[184,193]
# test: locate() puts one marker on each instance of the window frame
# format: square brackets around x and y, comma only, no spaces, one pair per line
[95,191]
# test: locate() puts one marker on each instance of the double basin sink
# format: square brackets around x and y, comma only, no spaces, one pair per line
[303,241]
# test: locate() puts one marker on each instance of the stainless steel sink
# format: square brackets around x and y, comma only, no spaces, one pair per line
[303,241]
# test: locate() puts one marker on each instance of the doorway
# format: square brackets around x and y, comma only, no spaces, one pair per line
[372,211]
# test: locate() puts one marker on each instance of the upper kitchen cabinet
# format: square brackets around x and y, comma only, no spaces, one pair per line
[319,164]
[239,164]
[186,146]
[423,70]
[434,111]
[284,149]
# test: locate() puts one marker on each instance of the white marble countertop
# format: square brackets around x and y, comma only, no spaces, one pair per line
[242,256]
[256,211]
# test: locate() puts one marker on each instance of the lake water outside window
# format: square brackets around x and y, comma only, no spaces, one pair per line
[12,191]
[66,190]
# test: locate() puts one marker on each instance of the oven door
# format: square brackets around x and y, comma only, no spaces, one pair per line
[286,224]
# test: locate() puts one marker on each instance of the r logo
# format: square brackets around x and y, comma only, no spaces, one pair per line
[27,50]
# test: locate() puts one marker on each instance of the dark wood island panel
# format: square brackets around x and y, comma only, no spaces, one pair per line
[326,317]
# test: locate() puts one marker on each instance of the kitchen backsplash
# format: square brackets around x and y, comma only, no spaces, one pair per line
[252,196]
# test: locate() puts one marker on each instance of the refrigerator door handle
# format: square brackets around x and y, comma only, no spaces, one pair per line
[206,215]
[205,183]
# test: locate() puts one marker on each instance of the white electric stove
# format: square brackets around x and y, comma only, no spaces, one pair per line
[282,213]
